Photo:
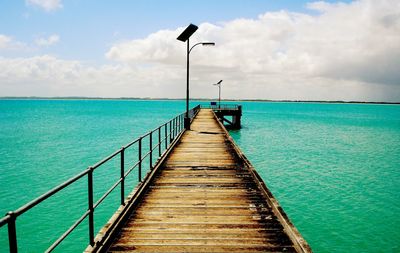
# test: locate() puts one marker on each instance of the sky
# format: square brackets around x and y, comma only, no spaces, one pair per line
[278,50]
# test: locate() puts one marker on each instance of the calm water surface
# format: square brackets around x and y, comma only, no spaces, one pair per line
[335,168]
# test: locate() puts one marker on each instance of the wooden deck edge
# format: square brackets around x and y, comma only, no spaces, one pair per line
[108,232]
[299,242]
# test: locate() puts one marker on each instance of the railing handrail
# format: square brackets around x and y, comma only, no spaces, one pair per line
[172,129]
[222,106]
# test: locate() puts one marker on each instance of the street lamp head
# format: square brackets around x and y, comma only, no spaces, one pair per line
[203,44]
[184,36]
[219,83]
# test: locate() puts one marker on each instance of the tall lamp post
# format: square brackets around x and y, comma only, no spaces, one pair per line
[184,36]
[219,93]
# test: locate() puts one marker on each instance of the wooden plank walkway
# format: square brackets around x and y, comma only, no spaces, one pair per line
[204,199]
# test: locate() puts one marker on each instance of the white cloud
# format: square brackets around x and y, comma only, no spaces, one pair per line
[355,43]
[158,47]
[343,52]
[8,43]
[47,5]
[358,41]
[51,40]
[49,76]
[4,41]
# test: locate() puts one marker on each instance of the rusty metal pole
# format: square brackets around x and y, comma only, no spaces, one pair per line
[187,119]
[140,160]
[12,233]
[90,206]
[122,176]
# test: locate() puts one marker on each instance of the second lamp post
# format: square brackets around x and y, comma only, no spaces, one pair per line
[219,93]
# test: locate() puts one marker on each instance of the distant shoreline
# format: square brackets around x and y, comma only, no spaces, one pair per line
[199,99]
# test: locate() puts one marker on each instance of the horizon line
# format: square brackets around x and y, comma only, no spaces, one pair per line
[199,99]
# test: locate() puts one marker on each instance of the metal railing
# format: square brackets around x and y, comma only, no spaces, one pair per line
[222,106]
[165,134]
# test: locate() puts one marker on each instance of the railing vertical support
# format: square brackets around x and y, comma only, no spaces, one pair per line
[140,160]
[151,150]
[180,123]
[177,125]
[178,118]
[159,141]
[166,133]
[90,204]
[170,129]
[175,121]
[12,233]
[123,176]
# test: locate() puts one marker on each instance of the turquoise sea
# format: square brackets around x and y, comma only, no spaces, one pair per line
[335,168]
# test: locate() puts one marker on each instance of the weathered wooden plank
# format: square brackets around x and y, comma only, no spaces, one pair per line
[204,173]
[204,248]
[210,190]
[201,241]
[210,235]
[228,232]
[199,180]
[202,186]
[201,194]
[199,202]
[194,211]
[184,205]
[202,168]
[214,232]
[152,219]
[201,163]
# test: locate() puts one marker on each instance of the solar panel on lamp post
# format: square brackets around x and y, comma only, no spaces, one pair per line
[184,37]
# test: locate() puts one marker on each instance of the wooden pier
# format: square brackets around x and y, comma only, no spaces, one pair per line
[203,195]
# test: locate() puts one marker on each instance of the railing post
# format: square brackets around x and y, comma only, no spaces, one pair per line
[90,204]
[173,128]
[122,176]
[178,126]
[166,133]
[12,233]
[159,141]
[170,129]
[151,150]
[181,122]
[140,160]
